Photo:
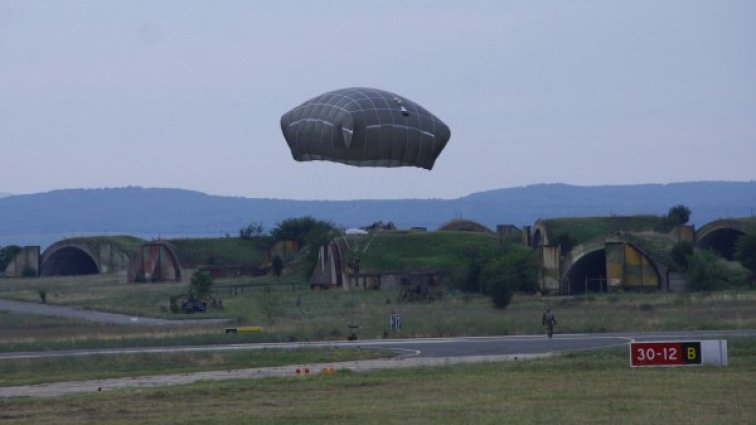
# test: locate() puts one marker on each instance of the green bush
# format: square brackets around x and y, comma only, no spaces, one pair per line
[277,266]
[500,290]
[708,272]
[201,285]
[515,270]
[309,233]
[174,303]
[678,215]
[467,275]
[305,230]
[680,254]
[253,230]
[7,253]
[745,250]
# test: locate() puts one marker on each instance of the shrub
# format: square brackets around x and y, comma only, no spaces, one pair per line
[173,302]
[745,250]
[467,277]
[708,272]
[304,230]
[463,268]
[309,233]
[680,254]
[201,285]
[678,215]
[501,291]
[253,230]
[7,253]
[277,266]
[516,270]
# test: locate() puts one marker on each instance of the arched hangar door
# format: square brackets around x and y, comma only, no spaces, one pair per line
[69,261]
[721,241]
[619,265]
[588,273]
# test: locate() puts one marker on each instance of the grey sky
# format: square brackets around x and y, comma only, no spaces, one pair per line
[189,94]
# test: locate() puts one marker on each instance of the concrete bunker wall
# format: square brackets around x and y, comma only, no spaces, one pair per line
[26,263]
[157,262]
[540,234]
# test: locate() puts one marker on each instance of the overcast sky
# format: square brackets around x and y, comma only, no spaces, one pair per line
[189,94]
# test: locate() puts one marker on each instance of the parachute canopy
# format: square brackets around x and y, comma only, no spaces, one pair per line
[354,231]
[364,127]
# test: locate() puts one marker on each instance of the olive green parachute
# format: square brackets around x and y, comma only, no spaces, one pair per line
[364,127]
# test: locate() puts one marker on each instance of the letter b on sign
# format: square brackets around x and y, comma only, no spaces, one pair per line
[692,352]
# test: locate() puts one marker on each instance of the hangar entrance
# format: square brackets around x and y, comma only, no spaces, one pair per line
[69,261]
[722,242]
[588,273]
[618,265]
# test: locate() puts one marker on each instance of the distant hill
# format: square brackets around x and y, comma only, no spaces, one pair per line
[4,195]
[43,218]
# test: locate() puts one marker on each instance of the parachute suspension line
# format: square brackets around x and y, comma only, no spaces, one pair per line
[329,180]
[346,241]
[319,186]
[369,241]
[371,184]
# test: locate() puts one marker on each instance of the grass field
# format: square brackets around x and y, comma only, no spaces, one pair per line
[78,368]
[305,315]
[594,387]
[576,388]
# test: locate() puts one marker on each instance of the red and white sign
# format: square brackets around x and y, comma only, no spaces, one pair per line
[674,353]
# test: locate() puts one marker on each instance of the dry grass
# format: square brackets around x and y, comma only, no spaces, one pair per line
[304,315]
[78,368]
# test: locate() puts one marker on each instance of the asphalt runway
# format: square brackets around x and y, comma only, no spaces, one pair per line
[427,348]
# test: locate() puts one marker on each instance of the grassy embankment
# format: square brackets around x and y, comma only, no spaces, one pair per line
[584,229]
[579,388]
[447,252]
[193,253]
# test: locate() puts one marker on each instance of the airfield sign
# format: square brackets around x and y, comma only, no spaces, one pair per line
[678,353]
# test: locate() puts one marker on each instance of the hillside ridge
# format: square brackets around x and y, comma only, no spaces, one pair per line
[43,218]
